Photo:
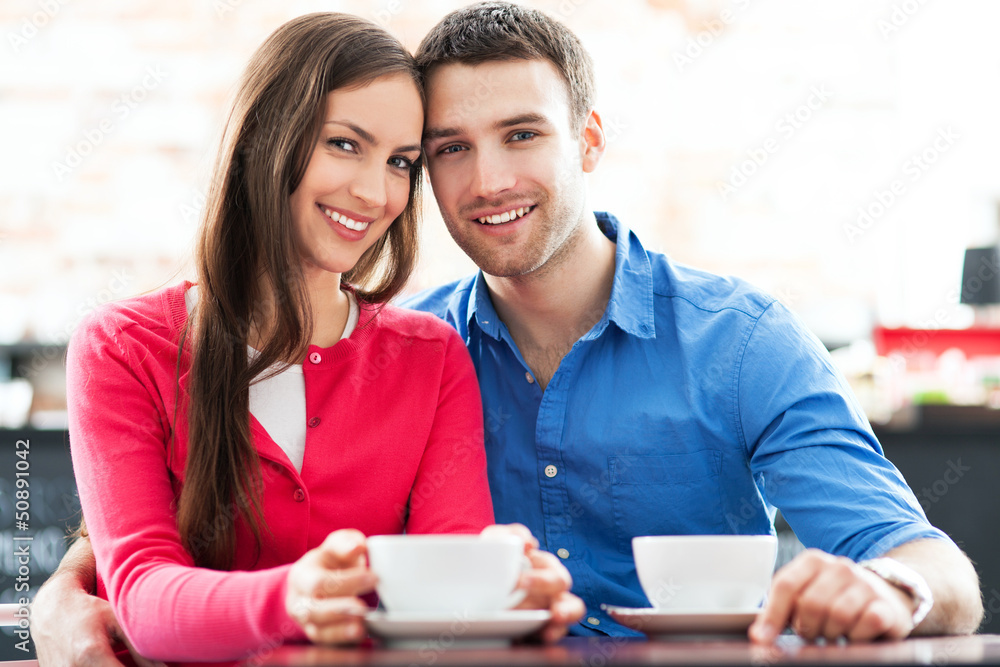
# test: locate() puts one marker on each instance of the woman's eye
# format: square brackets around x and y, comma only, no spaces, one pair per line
[401,163]
[522,136]
[343,144]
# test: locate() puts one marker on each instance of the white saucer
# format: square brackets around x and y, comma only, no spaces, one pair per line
[684,621]
[424,630]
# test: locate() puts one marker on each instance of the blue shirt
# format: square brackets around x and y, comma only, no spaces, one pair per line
[696,405]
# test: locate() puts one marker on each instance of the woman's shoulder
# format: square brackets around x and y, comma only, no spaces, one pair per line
[160,313]
[414,324]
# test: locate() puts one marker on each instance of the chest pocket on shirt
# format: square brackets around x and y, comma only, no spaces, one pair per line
[670,494]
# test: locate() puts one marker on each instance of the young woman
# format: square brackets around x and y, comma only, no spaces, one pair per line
[235,440]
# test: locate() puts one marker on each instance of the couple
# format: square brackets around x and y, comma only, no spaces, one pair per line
[627,395]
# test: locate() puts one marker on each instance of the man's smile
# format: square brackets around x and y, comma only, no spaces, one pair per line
[497,218]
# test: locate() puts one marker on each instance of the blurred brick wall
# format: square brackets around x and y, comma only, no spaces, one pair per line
[744,137]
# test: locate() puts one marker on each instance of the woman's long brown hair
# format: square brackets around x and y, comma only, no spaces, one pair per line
[246,256]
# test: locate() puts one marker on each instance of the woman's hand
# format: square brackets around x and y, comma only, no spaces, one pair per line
[323,589]
[547,583]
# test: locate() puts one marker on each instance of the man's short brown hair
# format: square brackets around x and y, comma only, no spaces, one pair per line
[492,31]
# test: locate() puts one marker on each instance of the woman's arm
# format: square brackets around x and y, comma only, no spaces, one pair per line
[120,376]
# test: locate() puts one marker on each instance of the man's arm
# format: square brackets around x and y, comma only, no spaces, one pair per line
[816,459]
[820,595]
[958,604]
[69,625]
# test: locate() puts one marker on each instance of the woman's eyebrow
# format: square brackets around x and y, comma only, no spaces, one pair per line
[361,132]
[370,138]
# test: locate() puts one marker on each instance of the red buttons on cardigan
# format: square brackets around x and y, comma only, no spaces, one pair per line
[314,422]
[299,495]
[315,357]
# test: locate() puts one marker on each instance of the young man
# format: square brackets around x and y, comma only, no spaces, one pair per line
[627,395]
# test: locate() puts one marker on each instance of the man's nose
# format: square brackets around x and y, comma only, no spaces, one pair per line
[492,174]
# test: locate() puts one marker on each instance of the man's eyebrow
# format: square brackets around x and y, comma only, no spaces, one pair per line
[521,119]
[440,133]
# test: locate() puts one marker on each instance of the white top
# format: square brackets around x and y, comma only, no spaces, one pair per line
[279,402]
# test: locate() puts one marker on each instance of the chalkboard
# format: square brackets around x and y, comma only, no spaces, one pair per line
[34,524]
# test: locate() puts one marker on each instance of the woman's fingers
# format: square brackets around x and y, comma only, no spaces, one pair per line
[339,621]
[343,548]
[324,585]
[309,579]
[548,583]
[332,611]
[336,568]
[566,610]
[515,529]
[546,579]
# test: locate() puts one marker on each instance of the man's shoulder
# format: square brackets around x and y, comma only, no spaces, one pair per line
[445,301]
[706,291]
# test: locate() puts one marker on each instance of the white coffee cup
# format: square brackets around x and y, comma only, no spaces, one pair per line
[705,572]
[447,573]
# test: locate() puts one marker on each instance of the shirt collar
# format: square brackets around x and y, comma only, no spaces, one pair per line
[481,308]
[631,303]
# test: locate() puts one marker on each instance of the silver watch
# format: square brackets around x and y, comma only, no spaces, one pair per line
[906,579]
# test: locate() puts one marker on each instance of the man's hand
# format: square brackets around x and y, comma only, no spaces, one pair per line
[547,583]
[71,627]
[324,585]
[820,595]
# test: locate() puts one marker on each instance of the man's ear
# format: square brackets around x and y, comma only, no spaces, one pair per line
[592,142]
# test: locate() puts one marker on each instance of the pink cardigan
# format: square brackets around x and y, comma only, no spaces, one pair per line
[395,425]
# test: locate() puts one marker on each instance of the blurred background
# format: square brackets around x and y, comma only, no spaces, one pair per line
[841,155]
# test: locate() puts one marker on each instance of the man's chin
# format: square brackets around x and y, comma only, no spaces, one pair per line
[501,265]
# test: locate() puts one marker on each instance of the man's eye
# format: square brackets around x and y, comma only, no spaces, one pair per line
[522,136]
[452,149]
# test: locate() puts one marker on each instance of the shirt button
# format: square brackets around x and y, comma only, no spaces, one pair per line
[593,621]
[314,422]
[527,376]
[315,357]
[551,471]
[562,553]
[299,495]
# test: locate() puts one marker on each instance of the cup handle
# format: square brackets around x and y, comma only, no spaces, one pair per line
[517,596]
